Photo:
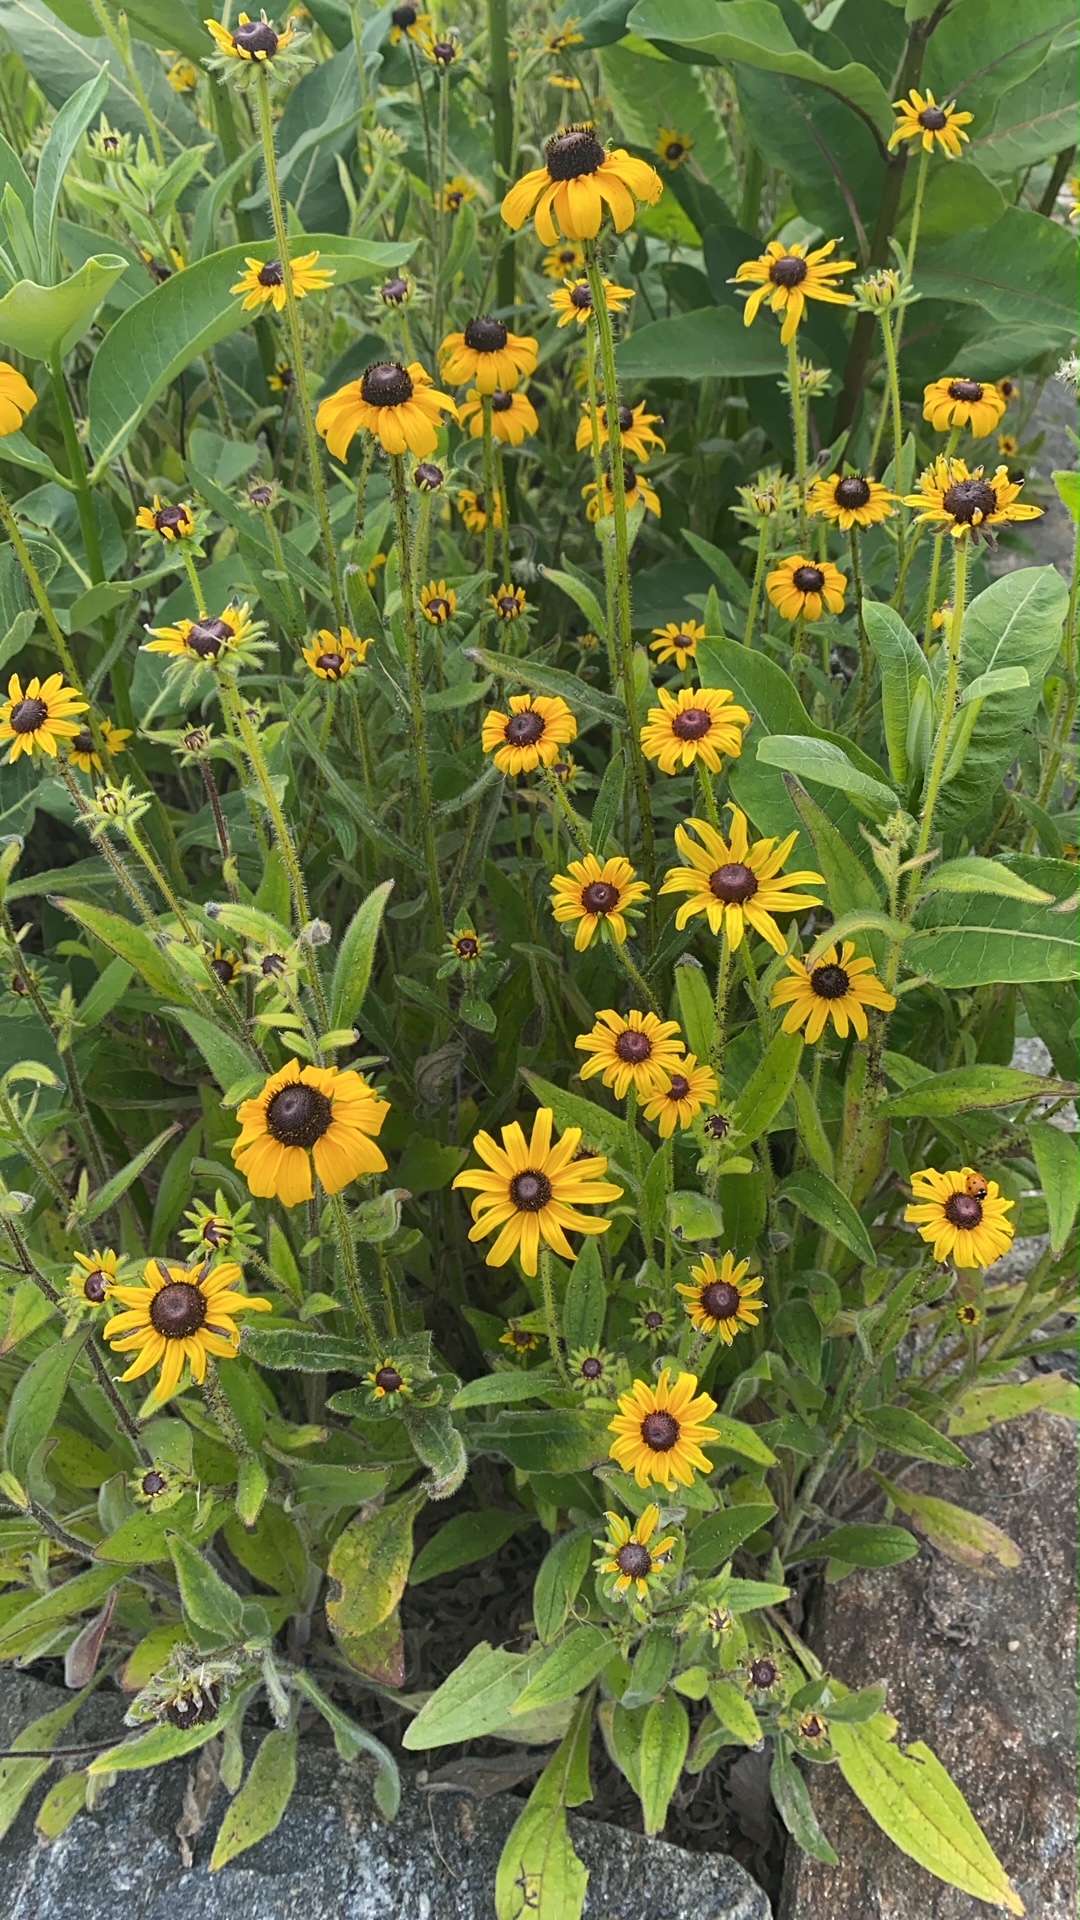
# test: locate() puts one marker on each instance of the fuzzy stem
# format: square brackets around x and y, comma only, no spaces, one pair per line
[723,982]
[548,1288]
[864,644]
[755,591]
[416,690]
[196,583]
[76,461]
[798,422]
[490,496]
[347,1256]
[948,700]
[37,588]
[598,479]
[931,597]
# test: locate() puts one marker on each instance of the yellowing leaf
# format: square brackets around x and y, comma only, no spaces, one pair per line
[369,1566]
[986,1407]
[961,1535]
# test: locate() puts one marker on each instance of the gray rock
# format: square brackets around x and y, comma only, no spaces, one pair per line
[982,1668]
[333,1858]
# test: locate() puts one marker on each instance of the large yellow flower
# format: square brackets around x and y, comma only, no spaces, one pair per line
[628,1557]
[574,301]
[961,1215]
[850,500]
[736,885]
[661,1430]
[677,641]
[638,493]
[722,1298]
[264,281]
[37,719]
[204,640]
[597,897]
[306,1114]
[438,602]
[636,1050]
[178,1314]
[85,755]
[533,1191]
[253,40]
[806,587]
[963,403]
[635,426]
[960,500]
[399,405]
[919,117]
[788,277]
[570,189]
[690,1088]
[488,354]
[840,987]
[172,523]
[17,397]
[530,735]
[512,416]
[697,723]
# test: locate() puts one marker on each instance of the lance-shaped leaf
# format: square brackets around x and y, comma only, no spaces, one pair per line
[40,321]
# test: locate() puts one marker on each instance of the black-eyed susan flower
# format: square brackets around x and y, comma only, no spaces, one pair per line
[736,884]
[564,262]
[630,1556]
[205,640]
[37,719]
[377,560]
[638,493]
[673,148]
[850,500]
[530,735]
[591,1370]
[509,602]
[17,397]
[456,193]
[304,1115]
[961,1215]
[661,1430]
[94,1273]
[574,301]
[963,403]
[519,1339]
[512,416]
[533,1191]
[172,523]
[438,602]
[183,76]
[967,1313]
[839,987]
[813,1730]
[597,897]
[722,1299]
[654,1324]
[224,964]
[787,277]
[440,48]
[399,405]
[389,1381]
[427,478]
[557,39]
[635,426]
[691,1087]
[85,755]
[251,41]
[263,281]
[473,508]
[396,291]
[1008,446]
[215,1229]
[763,1674]
[407,22]
[800,588]
[1010,391]
[467,948]
[487,354]
[920,118]
[283,379]
[697,723]
[635,1049]
[569,191]
[677,641]
[963,502]
[332,655]
[179,1314]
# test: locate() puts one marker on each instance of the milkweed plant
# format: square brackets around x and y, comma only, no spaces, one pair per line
[538,795]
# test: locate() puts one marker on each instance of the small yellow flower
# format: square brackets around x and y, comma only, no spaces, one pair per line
[678,1104]
[521,1339]
[94,1273]
[264,281]
[963,403]
[736,884]
[281,380]
[1010,391]
[400,405]
[597,896]
[961,1215]
[636,1050]
[677,641]
[787,277]
[627,1555]
[252,40]
[83,752]
[968,1314]
[673,148]
[920,118]
[388,1381]
[305,1115]
[488,354]
[512,416]
[660,1431]
[839,988]
[455,194]
[533,1190]
[438,602]
[565,261]
[472,507]
[332,655]
[467,947]
[570,190]
[204,640]
[17,397]
[850,500]
[567,81]
[574,301]
[224,964]
[697,723]
[557,39]
[638,493]
[530,735]
[372,575]
[172,523]
[722,1299]
[962,501]
[183,76]
[178,1314]
[635,427]
[1008,446]
[806,588]
[41,717]
[408,22]
[508,601]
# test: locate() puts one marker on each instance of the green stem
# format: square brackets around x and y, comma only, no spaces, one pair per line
[931,599]
[864,644]
[296,612]
[80,479]
[913,236]
[502,129]
[32,1153]
[490,497]
[898,439]
[591,343]
[547,1285]
[196,583]
[948,701]
[755,591]
[37,588]
[347,1256]
[223,1413]
[124,51]
[636,976]
[439,297]
[723,983]
[416,690]
[798,421]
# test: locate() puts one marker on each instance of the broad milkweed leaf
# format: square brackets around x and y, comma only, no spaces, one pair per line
[1056,1157]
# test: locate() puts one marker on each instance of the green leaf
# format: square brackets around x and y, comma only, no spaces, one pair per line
[733,1710]
[18,1777]
[578,694]
[497,1389]
[369,1565]
[984,1407]
[648,92]
[697,1010]
[902,666]
[913,1800]
[107,991]
[817,1196]
[604,1131]
[965,1089]
[973,874]
[865,1546]
[40,321]
[1022,270]
[351,1741]
[693,1216]
[539,1856]
[964,1537]
[306,1351]
[566,1669]
[746,1596]
[715,1538]
[1031,122]
[768,1086]
[557,1584]
[792,1800]
[35,1403]
[466,1538]
[162,333]
[356,955]
[133,944]
[64,136]
[1056,1157]
[737,1437]
[665,1738]
[902,1431]
[585,1303]
[261,1802]
[475,1699]
[538,1441]
[155,1748]
[850,886]
[859,920]
[64,1602]
[580,593]
[114,1189]
[709,344]
[984,941]
[208,1602]
[608,805]
[437,1442]
[798,1330]
[829,765]
[229,1062]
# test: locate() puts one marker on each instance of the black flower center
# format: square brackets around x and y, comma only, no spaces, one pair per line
[175,519]
[733,884]
[829,983]
[963,1210]
[394,291]
[572,153]
[764,1674]
[508,607]
[262,496]
[225,970]
[933,119]
[273,274]
[178,1310]
[427,477]
[193,1710]
[968,499]
[692,724]
[717,1126]
[720,1300]
[332,664]
[660,1431]
[789,271]
[207,637]
[389,1379]
[633,1047]
[521,1338]
[679,1088]
[634,1559]
[581,295]
[467,946]
[153,1482]
[485,335]
[501,402]
[94,1286]
[853,491]
[653,1320]
[403,18]
[629,480]
[256,38]
[674,150]
[525,729]
[83,741]
[530,1191]
[454,198]
[216,1233]
[444,51]
[387,385]
[27,715]
[271,965]
[600,897]
[298,1115]
[592,1368]
[437,607]
[808,579]
[965,390]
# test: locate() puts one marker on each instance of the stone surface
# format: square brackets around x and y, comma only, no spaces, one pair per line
[332,1858]
[980,1666]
